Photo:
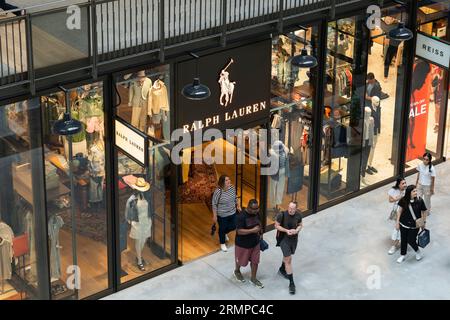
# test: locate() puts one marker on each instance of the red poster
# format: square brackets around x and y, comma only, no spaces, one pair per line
[418,110]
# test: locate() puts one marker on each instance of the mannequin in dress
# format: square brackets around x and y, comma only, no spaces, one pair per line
[138,214]
[139,99]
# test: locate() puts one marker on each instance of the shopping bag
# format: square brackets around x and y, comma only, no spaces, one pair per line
[423,238]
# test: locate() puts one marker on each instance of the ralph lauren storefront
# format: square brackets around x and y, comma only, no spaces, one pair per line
[135,202]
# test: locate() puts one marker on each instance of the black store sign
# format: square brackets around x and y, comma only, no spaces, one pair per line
[239,80]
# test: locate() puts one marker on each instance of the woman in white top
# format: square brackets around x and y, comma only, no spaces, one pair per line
[425,180]
[395,194]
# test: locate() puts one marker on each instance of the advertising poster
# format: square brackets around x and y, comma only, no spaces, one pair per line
[419,109]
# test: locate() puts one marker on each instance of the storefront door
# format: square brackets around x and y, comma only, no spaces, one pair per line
[199,179]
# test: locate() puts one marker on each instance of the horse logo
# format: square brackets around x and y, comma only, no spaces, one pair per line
[226,86]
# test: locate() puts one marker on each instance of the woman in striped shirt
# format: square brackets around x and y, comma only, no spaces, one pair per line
[224,205]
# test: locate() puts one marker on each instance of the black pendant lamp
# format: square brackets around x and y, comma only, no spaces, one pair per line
[304,60]
[67,125]
[400,33]
[196,90]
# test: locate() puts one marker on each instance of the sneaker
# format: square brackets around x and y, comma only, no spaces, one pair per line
[292,288]
[226,238]
[282,273]
[223,247]
[257,283]
[418,255]
[401,259]
[392,250]
[238,275]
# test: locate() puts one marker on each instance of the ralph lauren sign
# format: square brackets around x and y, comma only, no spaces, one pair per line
[239,80]
[433,50]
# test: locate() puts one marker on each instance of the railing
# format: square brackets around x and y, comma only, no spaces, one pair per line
[112,29]
[13,49]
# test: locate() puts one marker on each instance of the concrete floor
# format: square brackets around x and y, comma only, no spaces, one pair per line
[342,251]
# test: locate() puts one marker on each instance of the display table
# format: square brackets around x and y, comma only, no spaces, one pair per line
[23,185]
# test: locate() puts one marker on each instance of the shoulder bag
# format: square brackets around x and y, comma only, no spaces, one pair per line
[423,238]
[393,214]
[420,223]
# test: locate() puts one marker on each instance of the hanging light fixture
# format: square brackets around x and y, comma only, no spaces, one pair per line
[196,90]
[400,33]
[304,60]
[67,125]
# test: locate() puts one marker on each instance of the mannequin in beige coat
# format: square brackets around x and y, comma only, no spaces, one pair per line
[140,100]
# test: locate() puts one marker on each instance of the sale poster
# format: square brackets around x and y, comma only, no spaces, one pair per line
[418,110]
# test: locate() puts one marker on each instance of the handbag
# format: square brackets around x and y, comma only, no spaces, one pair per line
[420,223]
[393,214]
[423,238]
[263,245]
[395,235]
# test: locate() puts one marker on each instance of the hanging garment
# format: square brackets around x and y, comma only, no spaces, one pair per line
[339,147]
[29,229]
[139,99]
[54,225]
[295,180]
[159,98]
[6,251]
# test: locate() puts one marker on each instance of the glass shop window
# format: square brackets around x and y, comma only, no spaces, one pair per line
[76,217]
[292,98]
[22,265]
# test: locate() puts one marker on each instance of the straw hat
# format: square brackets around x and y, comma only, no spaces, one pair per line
[141,185]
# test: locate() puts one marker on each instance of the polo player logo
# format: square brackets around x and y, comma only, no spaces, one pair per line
[226,86]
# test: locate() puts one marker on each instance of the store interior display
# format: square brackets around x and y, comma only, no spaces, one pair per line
[144,101]
[144,212]
[88,169]
[139,216]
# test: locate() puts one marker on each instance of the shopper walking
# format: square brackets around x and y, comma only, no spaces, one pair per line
[411,209]
[373,89]
[395,194]
[426,179]
[288,224]
[248,235]
[224,205]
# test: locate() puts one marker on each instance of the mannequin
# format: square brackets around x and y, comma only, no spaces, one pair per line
[278,180]
[376,114]
[139,99]
[138,214]
[160,107]
[96,159]
[29,229]
[6,253]
[55,222]
[368,137]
